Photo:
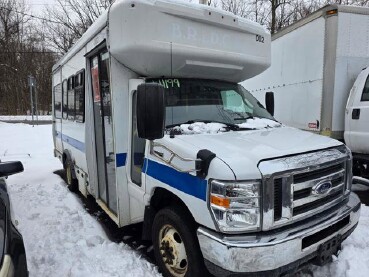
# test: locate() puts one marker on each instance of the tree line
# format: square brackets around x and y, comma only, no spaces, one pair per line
[30,44]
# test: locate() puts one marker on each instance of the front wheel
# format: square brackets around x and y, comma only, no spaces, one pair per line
[176,247]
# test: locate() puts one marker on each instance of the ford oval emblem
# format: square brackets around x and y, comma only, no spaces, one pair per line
[321,188]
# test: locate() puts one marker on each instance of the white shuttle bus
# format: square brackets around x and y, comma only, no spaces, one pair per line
[149,119]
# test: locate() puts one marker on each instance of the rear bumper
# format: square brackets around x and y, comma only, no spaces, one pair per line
[276,252]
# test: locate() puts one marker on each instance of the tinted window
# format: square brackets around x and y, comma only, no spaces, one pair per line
[138,147]
[80,96]
[65,99]
[365,96]
[71,99]
[57,101]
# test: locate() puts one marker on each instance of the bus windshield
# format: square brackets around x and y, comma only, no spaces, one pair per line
[196,100]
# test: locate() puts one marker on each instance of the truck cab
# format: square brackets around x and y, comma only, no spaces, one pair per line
[357,123]
[246,185]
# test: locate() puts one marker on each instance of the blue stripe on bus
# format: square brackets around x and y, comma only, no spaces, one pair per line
[120,159]
[184,182]
[72,141]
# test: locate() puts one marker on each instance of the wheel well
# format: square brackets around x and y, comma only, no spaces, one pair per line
[64,159]
[161,198]
[68,157]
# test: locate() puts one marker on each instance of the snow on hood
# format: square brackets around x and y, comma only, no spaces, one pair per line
[213,127]
[259,123]
[201,128]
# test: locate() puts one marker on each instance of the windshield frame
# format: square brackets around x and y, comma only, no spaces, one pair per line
[182,89]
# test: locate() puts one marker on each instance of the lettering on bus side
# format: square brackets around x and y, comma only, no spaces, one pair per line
[191,33]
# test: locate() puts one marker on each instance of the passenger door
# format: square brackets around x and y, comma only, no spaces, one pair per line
[357,115]
[57,111]
[105,154]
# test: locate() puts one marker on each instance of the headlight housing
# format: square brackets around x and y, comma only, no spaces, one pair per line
[235,206]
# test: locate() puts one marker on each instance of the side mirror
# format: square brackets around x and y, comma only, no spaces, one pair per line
[269,102]
[150,111]
[10,168]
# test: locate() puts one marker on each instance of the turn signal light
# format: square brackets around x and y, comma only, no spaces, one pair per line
[220,201]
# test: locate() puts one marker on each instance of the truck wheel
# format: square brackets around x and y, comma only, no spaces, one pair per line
[176,247]
[71,181]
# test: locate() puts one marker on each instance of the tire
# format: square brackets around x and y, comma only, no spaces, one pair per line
[72,182]
[176,247]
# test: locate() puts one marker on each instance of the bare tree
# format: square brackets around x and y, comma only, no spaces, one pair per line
[237,7]
[69,19]
[22,53]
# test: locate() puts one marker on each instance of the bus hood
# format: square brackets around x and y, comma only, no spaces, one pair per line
[243,150]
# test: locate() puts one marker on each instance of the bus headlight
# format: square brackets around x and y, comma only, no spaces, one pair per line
[235,205]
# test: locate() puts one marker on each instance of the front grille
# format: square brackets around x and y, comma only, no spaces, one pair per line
[315,204]
[277,199]
[322,172]
[300,186]
[303,199]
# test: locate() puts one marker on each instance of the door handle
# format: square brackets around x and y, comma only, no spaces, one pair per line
[356,114]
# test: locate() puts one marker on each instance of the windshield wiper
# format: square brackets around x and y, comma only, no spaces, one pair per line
[244,118]
[230,126]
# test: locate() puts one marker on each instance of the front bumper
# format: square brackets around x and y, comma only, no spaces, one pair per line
[276,251]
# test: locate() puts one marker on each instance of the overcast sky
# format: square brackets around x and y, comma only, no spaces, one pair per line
[37,6]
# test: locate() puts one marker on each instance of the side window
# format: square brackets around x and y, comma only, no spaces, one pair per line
[365,95]
[138,148]
[57,101]
[71,100]
[65,99]
[80,96]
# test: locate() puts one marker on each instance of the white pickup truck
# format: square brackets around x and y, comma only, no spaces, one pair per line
[315,63]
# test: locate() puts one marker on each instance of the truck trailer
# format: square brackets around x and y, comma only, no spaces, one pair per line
[150,120]
[315,63]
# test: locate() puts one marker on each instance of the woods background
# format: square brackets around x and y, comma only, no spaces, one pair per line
[30,45]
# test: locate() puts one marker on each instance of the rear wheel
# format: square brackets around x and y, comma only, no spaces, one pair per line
[72,182]
[176,247]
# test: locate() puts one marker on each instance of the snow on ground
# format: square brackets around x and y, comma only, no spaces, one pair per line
[24,117]
[61,238]
[353,260]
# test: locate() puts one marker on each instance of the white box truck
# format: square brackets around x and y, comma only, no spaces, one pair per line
[150,120]
[315,63]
